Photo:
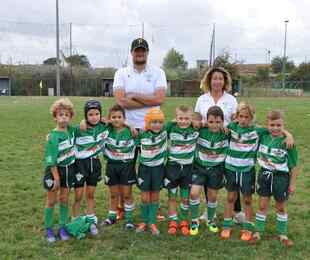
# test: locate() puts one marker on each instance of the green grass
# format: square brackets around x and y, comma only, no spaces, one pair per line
[25,121]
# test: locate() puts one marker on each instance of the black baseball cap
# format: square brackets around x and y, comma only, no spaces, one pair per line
[139,43]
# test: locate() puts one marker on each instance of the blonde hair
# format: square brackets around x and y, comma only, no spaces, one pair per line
[197,116]
[62,104]
[151,115]
[205,83]
[249,108]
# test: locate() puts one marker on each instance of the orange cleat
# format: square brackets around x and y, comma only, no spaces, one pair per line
[120,213]
[141,228]
[225,234]
[172,227]
[154,230]
[246,235]
[184,228]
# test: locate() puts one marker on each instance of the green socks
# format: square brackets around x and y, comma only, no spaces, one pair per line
[145,212]
[184,211]
[194,207]
[228,222]
[281,225]
[48,217]
[211,210]
[260,221]
[63,214]
[153,209]
[128,211]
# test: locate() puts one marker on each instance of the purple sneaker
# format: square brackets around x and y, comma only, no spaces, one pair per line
[93,230]
[63,234]
[50,237]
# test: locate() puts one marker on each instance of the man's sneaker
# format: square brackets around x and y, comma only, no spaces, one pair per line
[129,226]
[246,235]
[120,213]
[194,228]
[108,222]
[50,236]
[93,229]
[226,233]
[184,228]
[154,230]
[63,234]
[172,227]
[285,241]
[141,228]
[213,227]
[239,218]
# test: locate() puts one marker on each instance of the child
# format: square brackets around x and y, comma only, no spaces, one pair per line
[197,120]
[240,167]
[120,168]
[151,167]
[60,168]
[182,137]
[89,145]
[208,167]
[277,177]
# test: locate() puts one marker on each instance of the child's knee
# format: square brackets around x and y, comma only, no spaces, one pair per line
[247,201]
[231,198]
[90,196]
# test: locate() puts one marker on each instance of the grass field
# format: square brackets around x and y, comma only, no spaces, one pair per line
[25,121]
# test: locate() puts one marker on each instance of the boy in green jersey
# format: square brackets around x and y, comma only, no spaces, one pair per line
[89,145]
[277,177]
[59,168]
[120,168]
[182,138]
[240,167]
[208,167]
[151,172]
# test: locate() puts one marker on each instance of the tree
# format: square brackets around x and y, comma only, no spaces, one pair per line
[262,74]
[78,60]
[50,61]
[301,73]
[224,61]
[277,63]
[174,60]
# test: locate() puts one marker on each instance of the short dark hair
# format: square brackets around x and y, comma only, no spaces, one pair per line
[117,108]
[215,111]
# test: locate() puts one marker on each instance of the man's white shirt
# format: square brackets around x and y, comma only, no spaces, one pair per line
[145,82]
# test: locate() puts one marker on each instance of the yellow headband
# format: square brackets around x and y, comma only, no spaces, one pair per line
[151,115]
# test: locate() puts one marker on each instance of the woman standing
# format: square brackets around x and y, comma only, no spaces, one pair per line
[216,84]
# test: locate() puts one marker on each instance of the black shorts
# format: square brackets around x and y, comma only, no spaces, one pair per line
[120,173]
[211,177]
[66,176]
[178,175]
[240,181]
[151,178]
[273,184]
[88,171]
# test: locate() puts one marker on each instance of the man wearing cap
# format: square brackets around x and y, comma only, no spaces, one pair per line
[139,86]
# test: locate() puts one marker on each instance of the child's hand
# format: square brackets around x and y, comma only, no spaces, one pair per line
[291,189]
[83,125]
[226,130]
[289,141]
[105,120]
[134,132]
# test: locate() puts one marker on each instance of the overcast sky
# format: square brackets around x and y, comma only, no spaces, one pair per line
[103,30]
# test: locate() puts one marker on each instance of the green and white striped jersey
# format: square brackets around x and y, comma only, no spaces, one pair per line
[90,143]
[153,147]
[120,145]
[182,143]
[59,149]
[274,156]
[243,145]
[211,148]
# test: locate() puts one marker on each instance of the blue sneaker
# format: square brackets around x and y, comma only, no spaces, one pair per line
[50,236]
[63,234]
[93,230]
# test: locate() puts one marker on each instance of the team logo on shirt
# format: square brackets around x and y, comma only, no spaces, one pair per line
[49,183]
[140,181]
[79,176]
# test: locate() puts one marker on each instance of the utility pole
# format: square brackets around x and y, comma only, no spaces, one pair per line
[57,51]
[142,30]
[70,29]
[284,56]
[212,48]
